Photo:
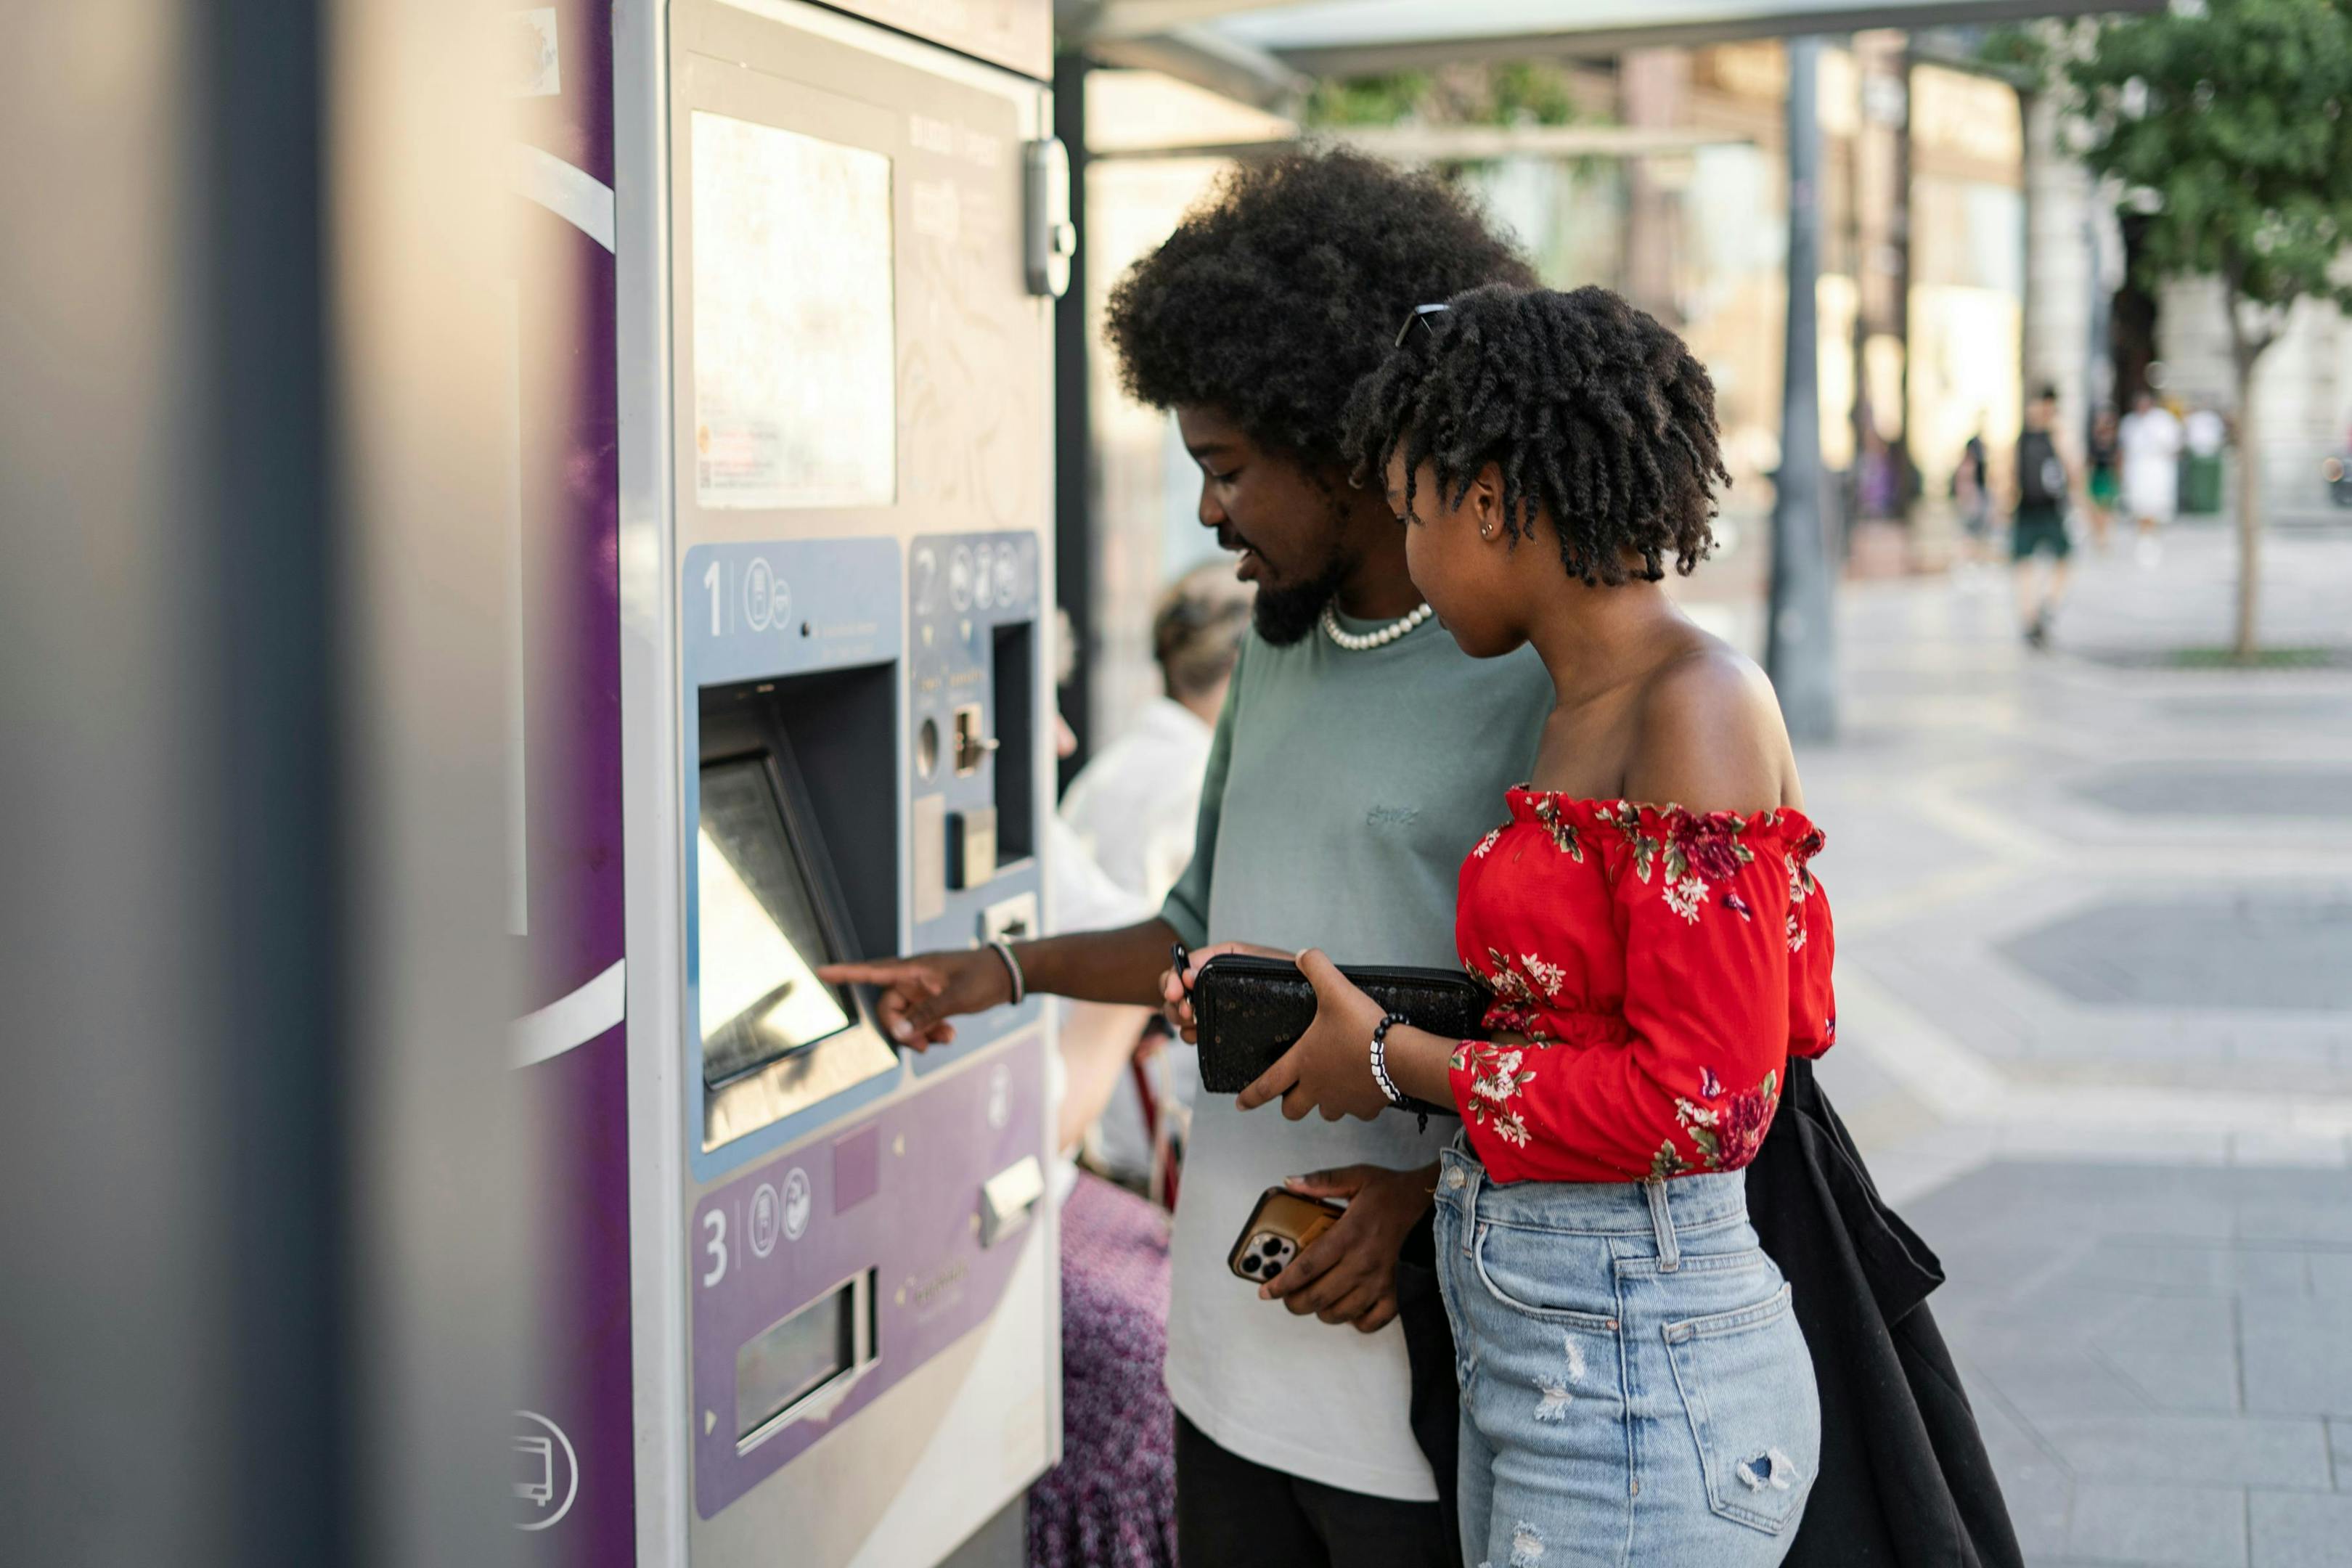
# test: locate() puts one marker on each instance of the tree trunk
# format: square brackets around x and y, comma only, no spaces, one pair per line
[2249,517]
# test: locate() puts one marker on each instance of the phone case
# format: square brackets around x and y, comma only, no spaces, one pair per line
[1249,1010]
[1283,1226]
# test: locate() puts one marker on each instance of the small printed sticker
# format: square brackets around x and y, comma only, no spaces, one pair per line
[537,71]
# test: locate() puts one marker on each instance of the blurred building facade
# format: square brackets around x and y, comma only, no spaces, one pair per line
[1923,297]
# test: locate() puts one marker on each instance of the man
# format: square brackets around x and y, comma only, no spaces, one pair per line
[1358,756]
[2044,481]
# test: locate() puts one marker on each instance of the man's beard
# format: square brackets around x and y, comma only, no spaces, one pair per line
[1284,615]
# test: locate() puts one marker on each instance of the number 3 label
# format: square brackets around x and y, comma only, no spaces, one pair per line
[715,1222]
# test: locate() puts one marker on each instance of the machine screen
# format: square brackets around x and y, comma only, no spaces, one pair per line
[761,939]
[795,1358]
[796,363]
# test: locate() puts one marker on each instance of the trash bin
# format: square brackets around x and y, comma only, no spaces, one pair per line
[2201,484]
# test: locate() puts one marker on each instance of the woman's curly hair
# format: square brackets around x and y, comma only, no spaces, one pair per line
[1274,297]
[1593,412]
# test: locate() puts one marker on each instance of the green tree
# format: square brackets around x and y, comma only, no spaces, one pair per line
[2230,124]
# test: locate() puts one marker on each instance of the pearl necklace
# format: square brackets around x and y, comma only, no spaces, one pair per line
[1365,642]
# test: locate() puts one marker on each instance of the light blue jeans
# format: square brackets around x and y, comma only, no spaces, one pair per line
[1634,1388]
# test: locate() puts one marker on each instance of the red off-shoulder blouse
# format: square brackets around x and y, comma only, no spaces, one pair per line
[1664,964]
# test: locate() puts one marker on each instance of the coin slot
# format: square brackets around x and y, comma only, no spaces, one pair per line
[972,744]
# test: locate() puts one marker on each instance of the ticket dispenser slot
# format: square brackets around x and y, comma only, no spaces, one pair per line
[1012,676]
[794,868]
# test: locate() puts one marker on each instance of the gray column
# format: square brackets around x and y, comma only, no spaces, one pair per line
[1801,642]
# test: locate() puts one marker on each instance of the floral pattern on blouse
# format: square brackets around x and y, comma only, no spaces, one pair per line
[1650,956]
[1556,824]
[1497,1077]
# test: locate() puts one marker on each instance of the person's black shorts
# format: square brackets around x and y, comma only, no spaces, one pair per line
[2037,528]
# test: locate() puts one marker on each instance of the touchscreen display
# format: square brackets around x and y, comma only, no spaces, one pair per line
[795,1358]
[759,937]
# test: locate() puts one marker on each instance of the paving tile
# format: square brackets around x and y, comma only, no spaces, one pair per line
[2330,1222]
[2251,949]
[2040,1507]
[2265,1451]
[2181,1353]
[2162,1526]
[2048,1384]
[2339,1444]
[2157,1266]
[2298,1355]
[2124,1145]
[2189,1269]
[2331,1275]
[2055,1319]
[2300,1530]
[2034,1482]
[2324,1151]
[2268,1270]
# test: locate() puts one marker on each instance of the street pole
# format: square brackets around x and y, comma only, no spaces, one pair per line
[1074,540]
[1799,646]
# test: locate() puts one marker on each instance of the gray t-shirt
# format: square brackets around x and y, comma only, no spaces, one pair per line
[1343,790]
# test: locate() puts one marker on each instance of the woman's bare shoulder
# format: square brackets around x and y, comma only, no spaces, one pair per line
[1709,734]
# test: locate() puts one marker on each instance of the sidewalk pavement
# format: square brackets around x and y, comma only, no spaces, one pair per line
[2094,925]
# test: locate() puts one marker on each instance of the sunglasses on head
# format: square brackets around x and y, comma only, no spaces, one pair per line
[1421,313]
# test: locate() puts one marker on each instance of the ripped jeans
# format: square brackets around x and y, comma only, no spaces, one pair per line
[1634,1388]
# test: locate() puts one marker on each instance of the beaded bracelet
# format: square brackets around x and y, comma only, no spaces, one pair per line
[1381,1057]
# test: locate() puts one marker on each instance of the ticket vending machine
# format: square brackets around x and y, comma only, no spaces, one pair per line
[833,240]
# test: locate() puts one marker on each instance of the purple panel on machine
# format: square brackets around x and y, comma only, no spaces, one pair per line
[785,1255]
[575,1482]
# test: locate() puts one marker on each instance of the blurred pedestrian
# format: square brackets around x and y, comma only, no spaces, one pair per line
[1135,806]
[1972,493]
[2105,487]
[2046,479]
[2203,434]
[2150,440]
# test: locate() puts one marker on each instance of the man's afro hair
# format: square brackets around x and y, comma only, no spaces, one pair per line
[1271,298]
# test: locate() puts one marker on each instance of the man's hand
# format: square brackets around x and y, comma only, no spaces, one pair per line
[1348,1276]
[1176,990]
[919,994]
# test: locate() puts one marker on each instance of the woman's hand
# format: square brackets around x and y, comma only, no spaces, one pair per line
[1330,1067]
[1176,990]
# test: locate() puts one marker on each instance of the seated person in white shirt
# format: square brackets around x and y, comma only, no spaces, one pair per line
[1134,806]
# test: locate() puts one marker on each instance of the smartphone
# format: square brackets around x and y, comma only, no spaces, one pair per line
[1283,1226]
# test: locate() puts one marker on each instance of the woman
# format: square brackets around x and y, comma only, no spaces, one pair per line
[2107,484]
[2150,440]
[1634,1386]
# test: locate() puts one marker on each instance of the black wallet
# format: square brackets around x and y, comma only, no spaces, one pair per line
[1249,1010]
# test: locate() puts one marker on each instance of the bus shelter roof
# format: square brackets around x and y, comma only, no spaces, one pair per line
[1259,49]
